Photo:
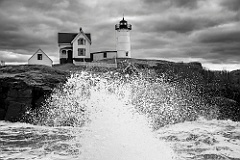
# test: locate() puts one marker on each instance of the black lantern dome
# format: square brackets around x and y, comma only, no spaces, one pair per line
[123,24]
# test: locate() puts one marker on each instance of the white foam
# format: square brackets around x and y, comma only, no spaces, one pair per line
[117,131]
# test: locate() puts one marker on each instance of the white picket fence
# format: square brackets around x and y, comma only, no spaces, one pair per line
[94,64]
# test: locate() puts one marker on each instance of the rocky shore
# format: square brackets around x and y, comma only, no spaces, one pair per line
[26,86]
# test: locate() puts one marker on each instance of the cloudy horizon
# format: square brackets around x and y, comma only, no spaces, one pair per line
[207,31]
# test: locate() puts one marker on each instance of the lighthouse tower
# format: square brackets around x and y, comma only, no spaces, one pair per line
[123,45]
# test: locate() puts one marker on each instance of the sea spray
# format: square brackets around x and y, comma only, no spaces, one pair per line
[112,116]
[117,131]
[118,112]
[111,126]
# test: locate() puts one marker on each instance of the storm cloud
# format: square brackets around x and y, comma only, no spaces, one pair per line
[202,30]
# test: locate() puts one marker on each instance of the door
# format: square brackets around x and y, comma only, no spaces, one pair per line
[70,56]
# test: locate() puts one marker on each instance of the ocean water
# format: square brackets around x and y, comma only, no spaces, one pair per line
[113,117]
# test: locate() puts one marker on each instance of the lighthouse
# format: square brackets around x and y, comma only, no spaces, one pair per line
[123,44]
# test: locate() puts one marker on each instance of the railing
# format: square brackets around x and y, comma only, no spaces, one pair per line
[90,64]
[118,26]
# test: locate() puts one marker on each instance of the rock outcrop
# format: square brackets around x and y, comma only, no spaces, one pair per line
[26,86]
[228,108]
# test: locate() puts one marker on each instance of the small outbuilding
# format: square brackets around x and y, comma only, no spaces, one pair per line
[96,56]
[40,58]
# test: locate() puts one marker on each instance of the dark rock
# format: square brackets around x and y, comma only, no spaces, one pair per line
[26,86]
[15,111]
[20,92]
[2,113]
[228,108]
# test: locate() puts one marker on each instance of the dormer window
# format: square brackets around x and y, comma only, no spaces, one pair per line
[39,56]
[81,41]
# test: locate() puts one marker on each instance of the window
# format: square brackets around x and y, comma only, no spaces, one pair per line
[126,54]
[81,52]
[39,56]
[63,51]
[81,41]
[105,55]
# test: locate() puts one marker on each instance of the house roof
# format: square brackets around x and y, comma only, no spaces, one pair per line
[102,52]
[68,37]
[67,48]
[82,33]
[38,51]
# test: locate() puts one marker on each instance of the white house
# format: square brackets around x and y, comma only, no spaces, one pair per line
[74,47]
[40,58]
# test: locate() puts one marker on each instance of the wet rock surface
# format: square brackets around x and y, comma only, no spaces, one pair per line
[26,86]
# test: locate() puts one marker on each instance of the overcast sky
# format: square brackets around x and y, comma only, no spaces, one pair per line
[207,31]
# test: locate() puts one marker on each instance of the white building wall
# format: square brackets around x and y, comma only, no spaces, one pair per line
[123,43]
[96,64]
[111,54]
[99,56]
[76,46]
[45,60]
